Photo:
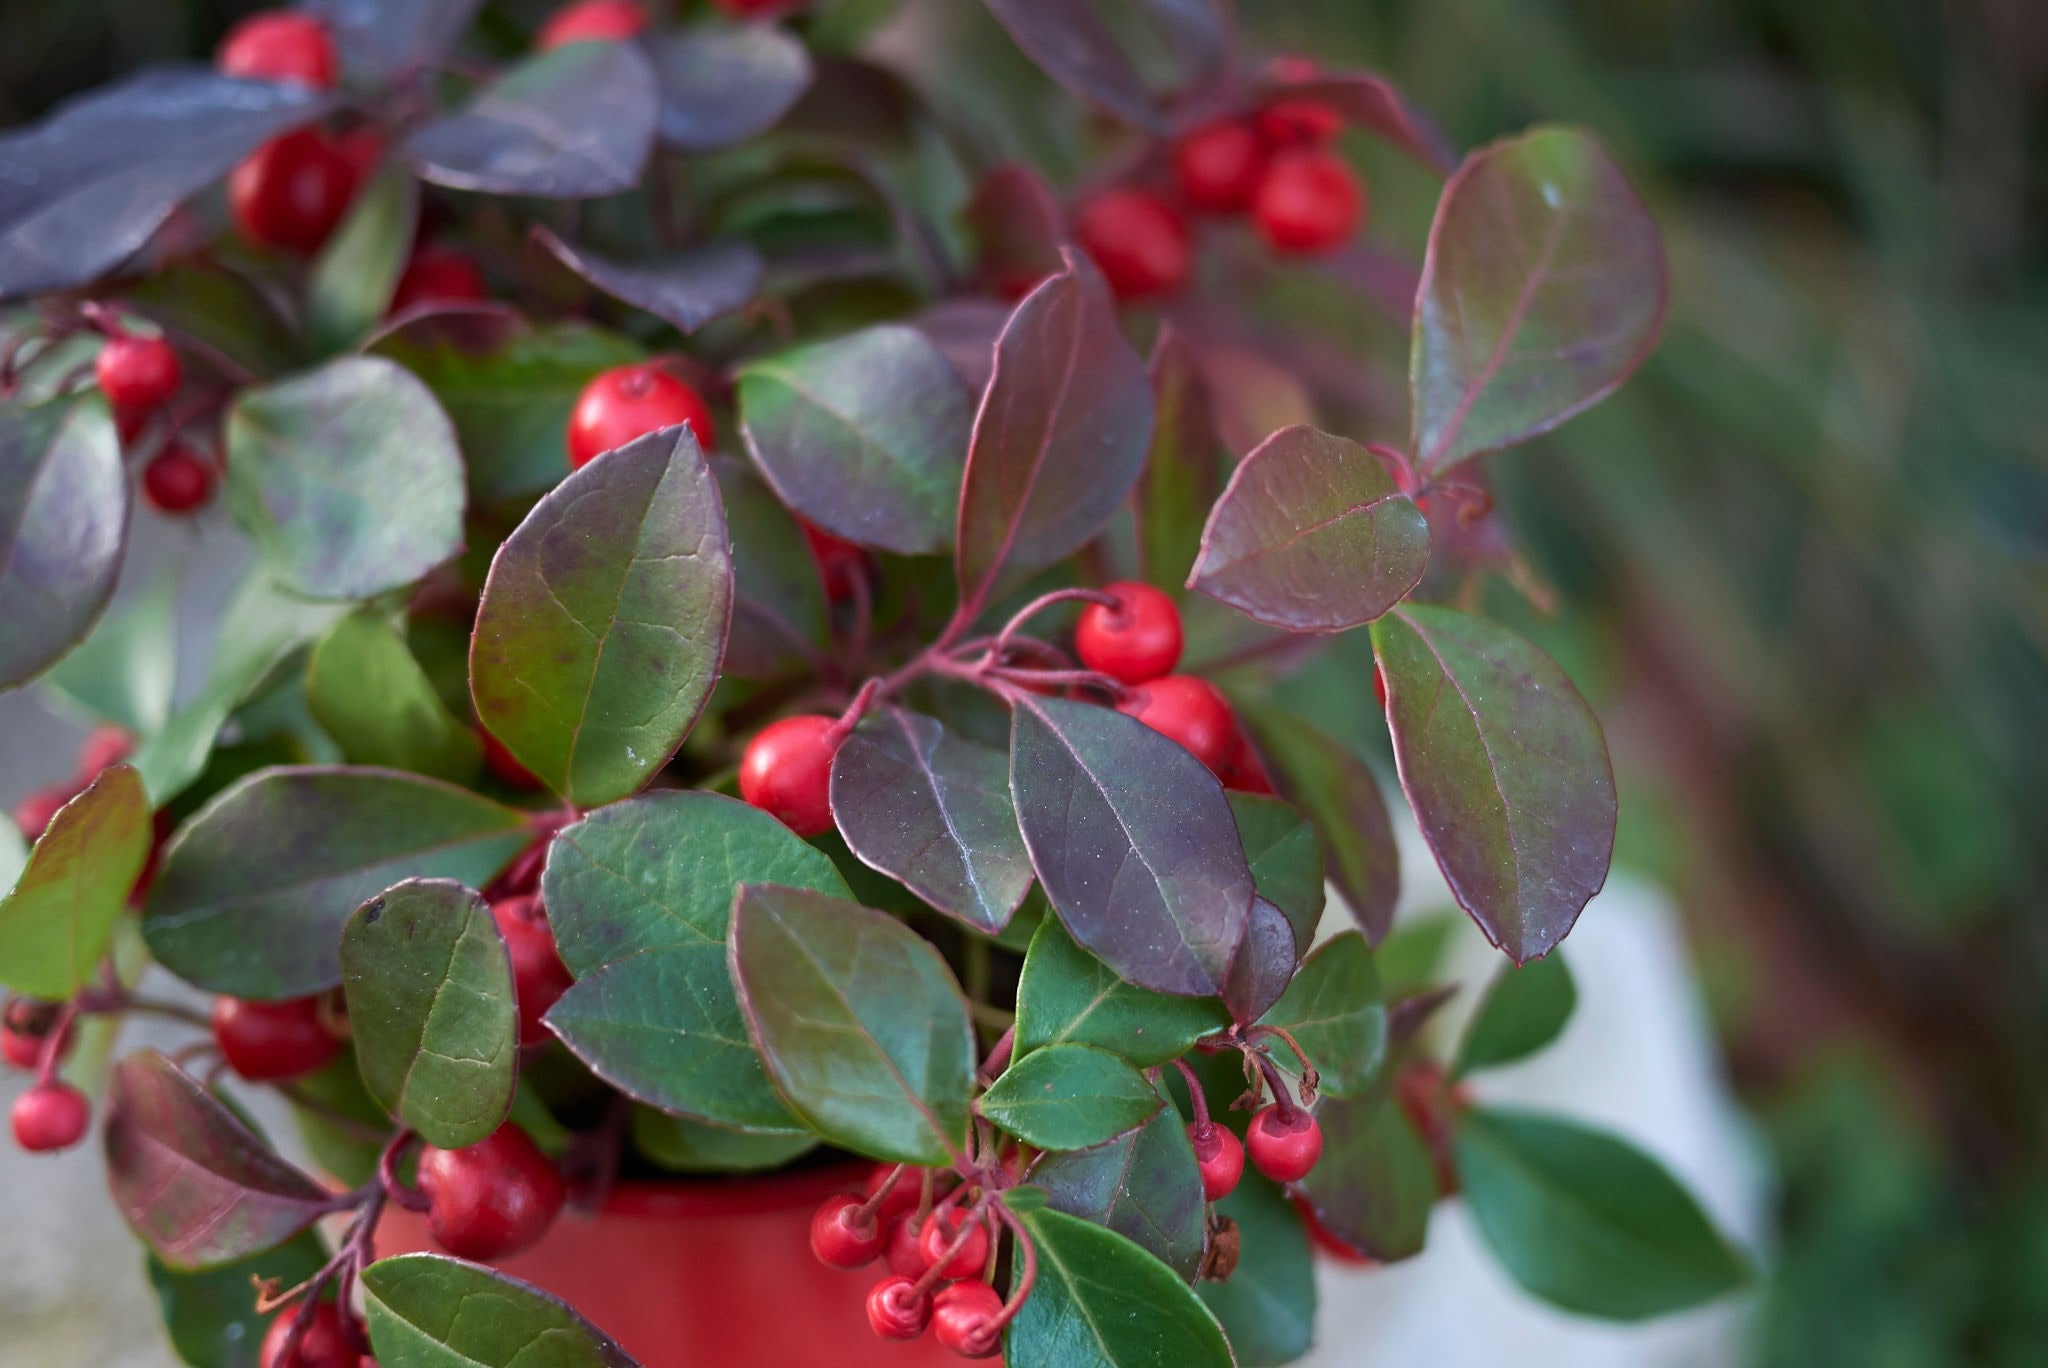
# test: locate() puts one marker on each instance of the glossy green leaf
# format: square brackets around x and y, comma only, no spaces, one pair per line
[56,924]
[1144,1185]
[1268,1305]
[351,283]
[1286,860]
[255,889]
[1102,1302]
[685,1146]
[1183,470]
[368,693]
[1334,1010]
[778,597]
[1067,996]
[125,672]
[1586,1221]
[1375,1184]
[1506,769]
[1337,792]
[430,1004]
[1068,1097]
[1524,1010]
[604,617]
[63,526]
[347,478]
[430,1311]
[211,1318]
[859,1020]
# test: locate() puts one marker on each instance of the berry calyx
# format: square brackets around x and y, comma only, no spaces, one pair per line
[631,401]
[437,275]
[137,374]
[1218,167]
[271,1040]
[787,772]
[278,45]
[292,191]
[1284,1147]
[34,813]
[177,480]
[904,1251]
[325,1341]
[539,978]
[941,1228]
[1300,121]
[897,1310]
[1188,710]
[1309,201]
[845,1236]
[1138,240]
[963,1316]
[1136,640]
[490,1199]
[592,21]
[1220,1158]
[50,1116]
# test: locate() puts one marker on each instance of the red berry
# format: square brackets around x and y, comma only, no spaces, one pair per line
[292,191]
[632,401]
[50,1116]
[1300,121]
[362,148]
[844,1237]
[904,1252]
[137,374]
[787,771]
[1136,641]
[325,1343]
[1284,1148]
[592,21]
[490,1199]
[503,765]
[1246,771]
[961,1316]
[1138,240]
[897,1311]
[34,813]
[22,1041]
[1218,167]
[1220,1157]
[1294,69]
[539,977]
[903,1196]
[104,746]
[841,564]
[1192,711]
[177,480]
[1310,201]
[278,45]
[21,1051]
[941,1228]
[268,1040]
[437,275]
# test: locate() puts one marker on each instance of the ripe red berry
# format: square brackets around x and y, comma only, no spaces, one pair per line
[437,275]
[896,1310]
[941,1228]
[104,746]
[961,1316]
[137,374]
[268,1040]
[292,191]
[50,1116]
[1218,166]
[1137,640]
[278,45]
[503,765]
[325,1342]
[904,1252]
[177,480]
[592,21]
[1310,201]
[23,1048]
[362,148]
[1284,1148]
[787,772]
[903,1196]
[1139,241]
[539,977]
[1219,1156]
[632,401]
[843,1236]
[1246,771]
[840,563]
[1192,711]
[490,1199]
[1300,121]
[34,813]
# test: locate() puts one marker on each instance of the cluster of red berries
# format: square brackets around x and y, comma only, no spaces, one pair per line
[139,375]
[1284,1142]
[937,1263]
[51,1115]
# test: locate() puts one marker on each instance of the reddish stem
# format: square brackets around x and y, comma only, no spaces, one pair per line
[1195,1098]
[1027,1278]
[998,1058]
[1039,605]
[866,1212]
[1275,1081]
[975,1214]
[1310,1079]
[412,1199]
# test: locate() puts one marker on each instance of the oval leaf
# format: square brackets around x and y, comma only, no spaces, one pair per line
[430,1311]
[56,924]
[860,1021]
[431,1007]
[1375,1184]
[686,291]
[256,888]
[367,692]
[63,524]
[1311,535]
[1184,469]
[1104,54]
[1102,1301]
[1066,995]
[196,1185]
[1506,769]
[1018,226]
[1338,794]
[1145,1186]
[1264,963]
[1542,290]
[1068,1097]
[1268,1306]
[1524,1010]
[933,811]
[1334,1010]
[1286,860]
[347,478]
[604,617]
[721,84]
[384,39]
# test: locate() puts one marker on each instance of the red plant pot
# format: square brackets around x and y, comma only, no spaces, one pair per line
[688,1273]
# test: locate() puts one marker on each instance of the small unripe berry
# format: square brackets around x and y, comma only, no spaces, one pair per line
[1220,1158]
[292,191]
[592,21]
[539,978]
[961,1316]
[325,1342]
[437,275]
[627,402]
[843,1236]
[941,1228]
[137,373]
[1188,710]
[177,480]
[1139,242]
[1218,167]
[787,772]
[262,1041]
[50,1116]
[1137,640]
[896,1310]
[493,1198]
[278,45]
[1309,201]
[1284,1148]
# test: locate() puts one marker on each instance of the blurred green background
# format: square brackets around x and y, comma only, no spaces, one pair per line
[1801,563]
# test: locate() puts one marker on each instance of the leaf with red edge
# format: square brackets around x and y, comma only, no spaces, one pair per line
[198,1186]
[1370,101]
[685,291]
[1184,469]
[1060,438]
[1375,1183]
[1018,225]
[1543,288]
[431,1311]
[1506,769]
[1106,53]
[1312,535]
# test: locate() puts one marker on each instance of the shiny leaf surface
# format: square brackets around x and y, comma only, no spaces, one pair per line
[721,85]
[1104,1302]
[1334,1010]
[1066,994]
[63,526]
[1068,1097]
[686,291]
[1337,792]
[1144,1186]
[430,1311]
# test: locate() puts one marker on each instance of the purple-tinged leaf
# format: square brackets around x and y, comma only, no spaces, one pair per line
[603,619]
[1543,289]
[193,1182]
[1375,1184]
[430,1310]
[859,1021]
[1252,395]
[964,329]
[1311,535]
[1105,53]
[1370,101]
[58,920]
[388,39]
[83,190]
[863,435]
[723,84]
[1134,843]
[1334,1010]
[1144,1186]
[1506,769]
[1184,469]
[778,599]
[63,526]
[1018,227]
[933,811]
[685,291]
[1338,794]
[1263,965]
[1060,437]
[575,123]
[1286,859]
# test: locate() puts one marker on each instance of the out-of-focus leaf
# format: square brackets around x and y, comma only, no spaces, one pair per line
[369,694]
[211,1318]
[1264,963]
[685,1146]
[1523,1011]
[1268,1306]
[431,1311]
[1018,227]
[721,84]
[1144,1186]
[685,291]
[125,672]
[1334,1010]
[218,309]
[352,281]
[1069,1097]
[63,526]
[1372,102]
[1338,794]
[778,597]
[1101,1299]
[1075,43]
[1066,994]
[1184,469]
[57,922]
[1375,1183]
